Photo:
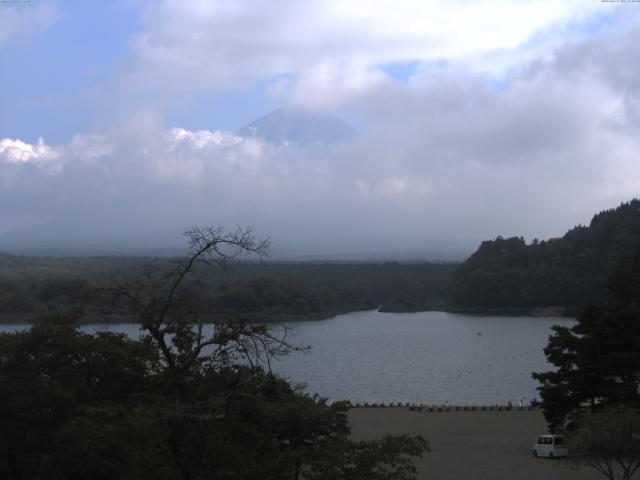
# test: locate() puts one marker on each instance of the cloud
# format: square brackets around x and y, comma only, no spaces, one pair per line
[447,154]
[18,20]
[197,44]
[446,157]
[330,85]
[88,147]
[17,151]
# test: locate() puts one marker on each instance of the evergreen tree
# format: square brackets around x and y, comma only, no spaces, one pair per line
[569,272]
[598,359]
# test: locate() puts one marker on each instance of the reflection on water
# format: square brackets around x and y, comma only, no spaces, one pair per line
[429,357]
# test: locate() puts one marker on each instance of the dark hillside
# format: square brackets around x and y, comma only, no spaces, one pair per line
[570,272]
[34,286]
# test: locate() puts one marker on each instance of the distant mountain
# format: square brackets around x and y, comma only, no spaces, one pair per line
[286,126]
[570,272]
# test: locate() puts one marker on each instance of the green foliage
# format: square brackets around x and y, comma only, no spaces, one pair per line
[102,406]
[607,441]
[52,373]
[177,404]
[598,359]
[570,271]
[389,458]
[33,287]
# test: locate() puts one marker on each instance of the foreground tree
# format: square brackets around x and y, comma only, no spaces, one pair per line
[58,385]
[186,401]
[598,359]
[607,441]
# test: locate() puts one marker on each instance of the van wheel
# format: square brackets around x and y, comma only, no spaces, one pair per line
[550,454]
[535,453]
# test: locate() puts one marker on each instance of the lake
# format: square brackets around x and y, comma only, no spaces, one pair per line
[431,357]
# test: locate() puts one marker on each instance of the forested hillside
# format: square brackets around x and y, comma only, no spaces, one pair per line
[570,271]
[35,286]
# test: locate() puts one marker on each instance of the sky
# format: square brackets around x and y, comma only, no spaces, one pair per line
[475,119]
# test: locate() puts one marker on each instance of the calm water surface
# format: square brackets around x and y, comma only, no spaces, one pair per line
[429,357]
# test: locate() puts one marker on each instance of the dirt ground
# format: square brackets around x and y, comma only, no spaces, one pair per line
[470,445]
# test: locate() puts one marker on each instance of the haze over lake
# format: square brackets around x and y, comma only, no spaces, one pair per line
[430,357]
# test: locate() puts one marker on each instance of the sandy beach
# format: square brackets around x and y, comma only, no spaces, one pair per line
[470,445]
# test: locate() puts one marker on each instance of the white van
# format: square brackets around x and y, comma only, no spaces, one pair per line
[550,446]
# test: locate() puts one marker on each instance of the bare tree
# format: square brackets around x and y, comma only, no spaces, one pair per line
[164,310]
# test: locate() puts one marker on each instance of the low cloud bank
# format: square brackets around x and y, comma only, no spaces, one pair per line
[447,156]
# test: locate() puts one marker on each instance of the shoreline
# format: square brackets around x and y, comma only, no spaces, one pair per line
[556,311]
[30,319]
[445,408]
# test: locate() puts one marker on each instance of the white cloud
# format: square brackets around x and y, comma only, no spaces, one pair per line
[89,147]
[200,139]
[17,151]
[18,20]
[52,158]
[446,155]
[198,44]
[329,85]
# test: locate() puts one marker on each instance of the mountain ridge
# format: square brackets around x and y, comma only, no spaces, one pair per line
[293,126]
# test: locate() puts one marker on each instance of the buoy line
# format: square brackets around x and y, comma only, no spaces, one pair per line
[490,366]
[427,407]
